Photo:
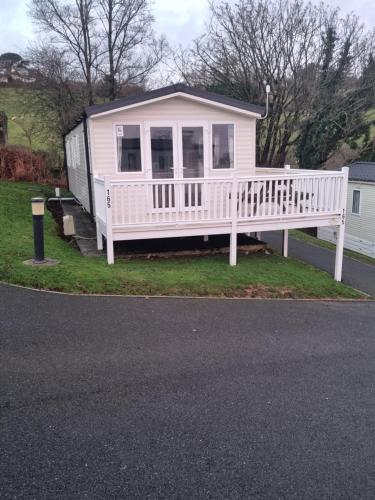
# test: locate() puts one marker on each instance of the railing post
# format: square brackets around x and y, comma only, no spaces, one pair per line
[341,231]
[285,231]
[108,217]
[234,216]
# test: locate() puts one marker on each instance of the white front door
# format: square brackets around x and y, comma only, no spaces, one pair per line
[177,150]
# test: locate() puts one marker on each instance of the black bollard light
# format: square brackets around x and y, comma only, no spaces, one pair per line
[37,207]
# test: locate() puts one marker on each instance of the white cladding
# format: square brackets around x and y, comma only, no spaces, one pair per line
[76,164]
[172,110]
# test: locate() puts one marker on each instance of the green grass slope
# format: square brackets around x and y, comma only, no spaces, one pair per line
[13,100]
[255,275]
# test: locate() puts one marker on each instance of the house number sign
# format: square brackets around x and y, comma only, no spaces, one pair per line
[343,216]
[108,199]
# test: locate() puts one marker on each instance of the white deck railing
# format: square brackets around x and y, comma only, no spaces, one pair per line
[289,194]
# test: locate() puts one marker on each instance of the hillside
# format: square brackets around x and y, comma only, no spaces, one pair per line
[13,100]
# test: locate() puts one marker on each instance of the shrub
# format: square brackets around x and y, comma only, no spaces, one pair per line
[19,164]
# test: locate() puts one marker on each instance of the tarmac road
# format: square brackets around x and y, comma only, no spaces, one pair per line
[106,397]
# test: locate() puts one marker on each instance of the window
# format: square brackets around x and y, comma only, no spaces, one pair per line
[356,201]
[68,152]
[129,148]
[222,146]
[73,152]
[77,152]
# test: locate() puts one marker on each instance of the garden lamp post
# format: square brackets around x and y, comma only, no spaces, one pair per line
[37,208]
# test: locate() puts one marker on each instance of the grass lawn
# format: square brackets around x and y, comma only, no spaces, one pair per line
[300,235]
[255,275]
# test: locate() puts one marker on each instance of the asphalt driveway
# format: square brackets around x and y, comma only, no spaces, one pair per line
[185,399]
[356,274]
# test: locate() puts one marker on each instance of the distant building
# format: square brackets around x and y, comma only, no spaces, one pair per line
[15,69]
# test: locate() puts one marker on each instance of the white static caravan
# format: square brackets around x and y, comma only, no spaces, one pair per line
[360,210]
[180,161]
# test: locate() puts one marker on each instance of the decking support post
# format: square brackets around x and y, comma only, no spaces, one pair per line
[258,236]
[205,238]
[339,252]
[99,237]
[233,234]
[233,249]
[285,242]
[341,230]
[108,213]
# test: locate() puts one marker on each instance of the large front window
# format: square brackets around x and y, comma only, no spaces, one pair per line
[129,148]
[222,145]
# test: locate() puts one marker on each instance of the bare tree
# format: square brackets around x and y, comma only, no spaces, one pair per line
[344,93]
[59,94]
[71,27]
[279,42]
[131,50]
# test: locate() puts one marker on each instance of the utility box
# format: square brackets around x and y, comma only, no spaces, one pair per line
[69,226]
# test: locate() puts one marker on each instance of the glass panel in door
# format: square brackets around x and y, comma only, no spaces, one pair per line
[162,166]
[193,163]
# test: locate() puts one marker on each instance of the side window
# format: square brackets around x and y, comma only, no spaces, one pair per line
[73,151]
[68,152]
[222,145]
[77,151]
[356,201]
[129,148]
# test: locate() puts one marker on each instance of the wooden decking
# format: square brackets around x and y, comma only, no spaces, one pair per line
[271,199]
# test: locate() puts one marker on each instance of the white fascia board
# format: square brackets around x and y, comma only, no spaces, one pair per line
[227,107]
[363,183]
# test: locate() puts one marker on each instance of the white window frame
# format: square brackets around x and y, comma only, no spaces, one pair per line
[206,144]
[359,204]
[143,156]
[176,126]
[227,169]
[206,157]
[161,123]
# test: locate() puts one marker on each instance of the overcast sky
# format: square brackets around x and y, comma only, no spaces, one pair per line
[180,20]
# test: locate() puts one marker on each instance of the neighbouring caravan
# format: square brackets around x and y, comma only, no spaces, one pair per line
[360,211]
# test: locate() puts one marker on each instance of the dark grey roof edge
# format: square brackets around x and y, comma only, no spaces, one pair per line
[172,89]
[77,122]
[362,171]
